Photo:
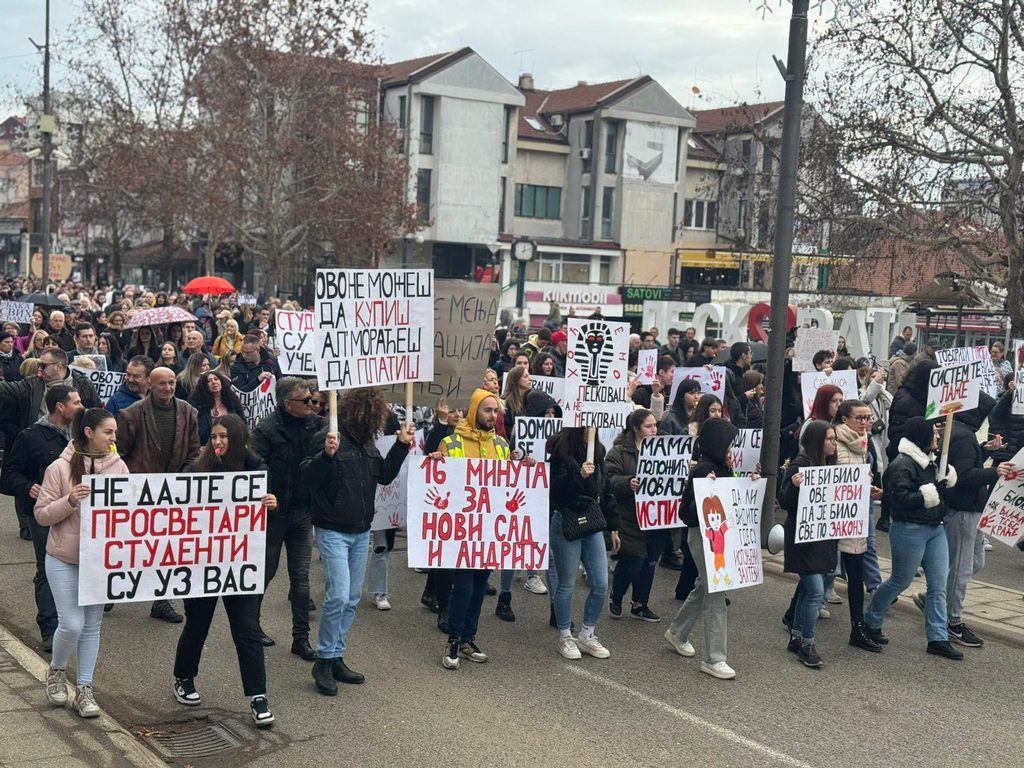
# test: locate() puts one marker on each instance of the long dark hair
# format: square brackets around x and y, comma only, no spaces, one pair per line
[537,364]
[113,345]
[703,410]
[570,443]
[636,420]
[202,399]
[812,442]
[679,404]
[90,418]
[232,460]
[363,413]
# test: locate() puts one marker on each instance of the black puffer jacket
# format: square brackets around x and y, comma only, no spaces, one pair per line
[1001,421]
[910,401]
[716,435]
[912,494]
[283,442]
[813,556]
[968,459]
[343,486]
[33,450]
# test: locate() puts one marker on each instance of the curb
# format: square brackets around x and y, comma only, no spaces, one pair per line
[129,747]
[1009,635]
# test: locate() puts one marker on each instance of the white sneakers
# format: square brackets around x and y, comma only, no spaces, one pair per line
[535,584]
[381,601]
[85,703]
[719,669]
[56,687]
[568,648]
[683,648]
[593,647]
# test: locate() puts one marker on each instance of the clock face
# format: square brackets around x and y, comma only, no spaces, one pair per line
[522,250]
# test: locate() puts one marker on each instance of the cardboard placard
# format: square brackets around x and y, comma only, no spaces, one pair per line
[259,402]
[810,341]
[1003,516]
[553,386]
[106,383]
[646,365]
[953,388]
[712,381]
[662,469]
[531,433]
[746,451]
[835,503]
[729,513]
[810,383]
[295,340]
[596,374]
[390,503]
[16,312]
[989,379]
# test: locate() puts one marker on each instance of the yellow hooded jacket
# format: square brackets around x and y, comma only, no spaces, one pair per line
[471,442]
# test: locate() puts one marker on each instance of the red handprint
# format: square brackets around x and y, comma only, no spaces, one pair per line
[648,372]
[516,502]
[395,519]
[716,380]
[433,497]
[985,522]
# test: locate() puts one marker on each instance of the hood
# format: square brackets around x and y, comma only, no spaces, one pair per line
[715,437]
[467,427]
[538,402]
[917,379]
[102,463]
[920,432]
[914,453]
[975,418]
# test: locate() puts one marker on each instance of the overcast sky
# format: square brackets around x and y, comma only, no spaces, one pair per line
[723,47]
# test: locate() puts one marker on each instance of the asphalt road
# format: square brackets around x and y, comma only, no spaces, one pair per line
[645,706]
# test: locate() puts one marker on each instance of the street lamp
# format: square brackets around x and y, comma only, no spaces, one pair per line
[523,250]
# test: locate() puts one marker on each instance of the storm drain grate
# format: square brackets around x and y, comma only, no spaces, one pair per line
[200,742]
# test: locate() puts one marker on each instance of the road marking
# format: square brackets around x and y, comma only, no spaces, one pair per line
[717,730]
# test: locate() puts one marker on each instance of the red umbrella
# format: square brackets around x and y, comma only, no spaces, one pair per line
[208,284]
[158,316]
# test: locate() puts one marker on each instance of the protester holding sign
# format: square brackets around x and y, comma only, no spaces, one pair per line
[910,401]
[814,559]
[343,479]
[915,497]
[639,553]
[253,365]
[226,452]
[676,420]
[92,452]
[212,397]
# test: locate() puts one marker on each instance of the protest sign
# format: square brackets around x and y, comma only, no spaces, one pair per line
[106,383]
[478,513]
[953,388]
[595,374]
[834,503]
[531,433]
[1017,406]
[746,451]
[662,469]
[154,537]
[464,316]
[389,507]
[810,383]
[259,402]
[553,386]
[1017,358]
[1003,516]
[711,380]
[373,327]
[729,513]
[295,340]
[98,361]
[989,379]
[245,299]
[646,365]
[810,341]
[16,312]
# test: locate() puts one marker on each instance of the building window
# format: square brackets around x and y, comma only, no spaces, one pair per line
[741,215]
[505,133]
[605,275]
[423,194]
[607,211]
[501,206]
[535,202]
[611,147]
[401,113]
[766,160]
[362,117]
[747,149]
[559,268]
[700,214]
[588,144]
[426,125]
[586,214]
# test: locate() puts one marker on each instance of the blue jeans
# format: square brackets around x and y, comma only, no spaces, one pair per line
[383,543]
[508,575]
[567,555]
[78,626]
[872,574]
[915,544]
[810,595]
[344,558]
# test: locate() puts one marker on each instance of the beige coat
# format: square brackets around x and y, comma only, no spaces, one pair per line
[851,448]
[54,509]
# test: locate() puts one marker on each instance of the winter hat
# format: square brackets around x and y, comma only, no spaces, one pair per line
[920,432]
[558,336]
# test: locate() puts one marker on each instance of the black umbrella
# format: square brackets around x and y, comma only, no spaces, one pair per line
[758,349]
[42,300]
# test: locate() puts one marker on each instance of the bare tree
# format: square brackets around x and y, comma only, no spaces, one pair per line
[922,100]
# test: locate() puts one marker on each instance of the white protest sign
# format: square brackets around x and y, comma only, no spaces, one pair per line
[596,374]
[553,386]
[953,388]
[16,312]
[374,327]
[711,380]
[988,377]
[835,503]
[646,365]
[295,339]
[662,469]
[477,514]
[746,451]
[530,435]
[259,402]
[1017,406]
[106,383]
[245,299]
[152,537]
[1017,357]
[1003,517]
[810,383]
[389,504]
[810,341]
[729,513]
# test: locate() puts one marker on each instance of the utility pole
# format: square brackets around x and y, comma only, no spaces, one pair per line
[794,73]
[47,125]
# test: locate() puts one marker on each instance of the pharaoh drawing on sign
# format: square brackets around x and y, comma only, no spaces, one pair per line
[714,519]
[595,352]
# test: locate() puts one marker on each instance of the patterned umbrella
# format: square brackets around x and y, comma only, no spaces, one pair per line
[159,316]
[208,284]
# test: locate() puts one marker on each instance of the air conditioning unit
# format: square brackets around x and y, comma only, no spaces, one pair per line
[557,121]
[741,234]
[585,153]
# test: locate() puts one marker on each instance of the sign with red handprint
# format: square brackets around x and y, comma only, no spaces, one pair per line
[390,502]
[1004,511]
[646,365]
[477,513]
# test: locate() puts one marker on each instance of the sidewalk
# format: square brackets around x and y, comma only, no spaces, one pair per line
[38,734]
[991,610]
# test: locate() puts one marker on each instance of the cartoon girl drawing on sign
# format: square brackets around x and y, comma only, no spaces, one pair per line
[715,530]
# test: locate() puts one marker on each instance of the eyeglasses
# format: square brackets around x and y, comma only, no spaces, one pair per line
[865,419]
[306,400]
[831,440]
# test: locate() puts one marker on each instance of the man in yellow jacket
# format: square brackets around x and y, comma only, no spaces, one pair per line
[474,438]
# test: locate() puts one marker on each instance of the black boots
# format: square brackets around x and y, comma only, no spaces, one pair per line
[504,608]
[302,649]
[343,674]
[323,676]
[860,639]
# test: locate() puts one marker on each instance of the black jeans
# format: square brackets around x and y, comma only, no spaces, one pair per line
[639,571]
[294,530]
[439,584]
[46,611]
[244,617]
[25,517]
[468,590]
[854,565]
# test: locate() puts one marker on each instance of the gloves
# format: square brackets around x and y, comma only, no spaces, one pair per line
[931,496]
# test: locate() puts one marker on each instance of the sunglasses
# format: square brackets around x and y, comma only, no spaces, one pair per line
[306,400]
